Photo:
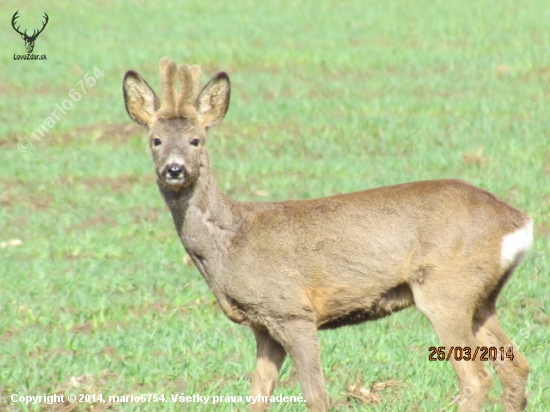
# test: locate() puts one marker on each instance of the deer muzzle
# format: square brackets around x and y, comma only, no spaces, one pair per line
[175,174]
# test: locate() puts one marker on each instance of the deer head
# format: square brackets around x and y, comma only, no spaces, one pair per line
[177,127]
[29,40]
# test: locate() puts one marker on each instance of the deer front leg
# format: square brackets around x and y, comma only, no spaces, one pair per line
[299,338]
[269,358]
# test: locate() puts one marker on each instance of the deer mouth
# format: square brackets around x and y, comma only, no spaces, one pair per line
[174,181]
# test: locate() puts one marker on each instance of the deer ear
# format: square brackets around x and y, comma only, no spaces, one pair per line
[213,101]
[141,101]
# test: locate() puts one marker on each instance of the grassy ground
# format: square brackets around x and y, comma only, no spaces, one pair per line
[327,98]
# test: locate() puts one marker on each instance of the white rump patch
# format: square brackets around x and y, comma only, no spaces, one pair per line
[515,245]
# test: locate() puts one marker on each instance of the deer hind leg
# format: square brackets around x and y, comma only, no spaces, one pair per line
[269,358]
[450,311]
[512,373]
[299,338]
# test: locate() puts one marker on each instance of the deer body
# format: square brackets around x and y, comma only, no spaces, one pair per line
[287,269]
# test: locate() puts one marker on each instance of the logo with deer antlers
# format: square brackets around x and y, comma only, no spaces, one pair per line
[29,40]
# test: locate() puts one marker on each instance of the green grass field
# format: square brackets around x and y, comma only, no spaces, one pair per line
[328,97]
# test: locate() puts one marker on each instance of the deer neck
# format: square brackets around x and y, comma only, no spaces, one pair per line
[205,219]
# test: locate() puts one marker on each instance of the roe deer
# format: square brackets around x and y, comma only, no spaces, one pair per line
[287,269]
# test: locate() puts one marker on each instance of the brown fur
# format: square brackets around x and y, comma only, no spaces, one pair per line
[287,269]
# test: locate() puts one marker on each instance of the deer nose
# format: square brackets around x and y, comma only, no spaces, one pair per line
[175,170]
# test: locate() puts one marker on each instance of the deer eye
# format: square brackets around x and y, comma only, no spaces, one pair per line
[157,141]
[194,142]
